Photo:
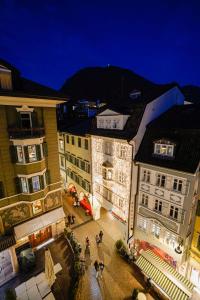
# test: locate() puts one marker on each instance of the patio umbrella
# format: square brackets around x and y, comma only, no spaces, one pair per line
[49,268]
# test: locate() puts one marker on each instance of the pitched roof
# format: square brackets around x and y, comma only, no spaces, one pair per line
[181,125]
[79,127]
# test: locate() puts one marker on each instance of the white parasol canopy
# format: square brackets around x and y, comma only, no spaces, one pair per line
[49,268]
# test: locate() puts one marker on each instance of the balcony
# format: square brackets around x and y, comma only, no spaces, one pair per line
[25,133]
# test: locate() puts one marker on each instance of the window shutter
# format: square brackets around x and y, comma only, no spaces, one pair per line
[34,119]
[18,120]
[30,185]
[41,182]
[26,154]
[45,149]
[38,152]
[48,177]
[18,185]
[2,194]
[13,154]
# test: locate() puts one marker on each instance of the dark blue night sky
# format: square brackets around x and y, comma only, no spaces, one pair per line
[50,40]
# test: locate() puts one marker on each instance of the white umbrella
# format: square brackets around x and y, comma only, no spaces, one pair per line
[49,268]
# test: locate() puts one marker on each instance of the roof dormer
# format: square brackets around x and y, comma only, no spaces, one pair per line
[110,119]
[164,148]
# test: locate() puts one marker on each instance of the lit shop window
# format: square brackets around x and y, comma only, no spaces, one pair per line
[20,154]
[24,185]
[37,207]
[36,183]
[32,153]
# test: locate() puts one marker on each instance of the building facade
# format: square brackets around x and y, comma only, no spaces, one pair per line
[115,139]
[168,186]
[194,266]
[30,188]
[75,160]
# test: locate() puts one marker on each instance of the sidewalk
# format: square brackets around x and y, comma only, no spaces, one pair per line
[118,277]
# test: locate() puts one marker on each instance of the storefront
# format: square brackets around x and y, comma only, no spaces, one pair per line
[41,229]
[194,272]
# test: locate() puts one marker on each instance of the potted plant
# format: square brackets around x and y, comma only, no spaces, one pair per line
[135,294]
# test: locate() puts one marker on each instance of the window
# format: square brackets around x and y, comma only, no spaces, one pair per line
[177,185]
[26,120]
[20,154]
[142,224]
[79,142]
[2,194]
[173,212]
[198,243]
[115,124]
[82,165]
[72,139]
[164,149]
[170,239]
[37,207]
[107,173]
[161,180]
[36,183]
[101,123]
[32,153]
[145,199]
[146,176]
[158,206]
[121,203]
[87,168]
[123,152]
[24,185]
[108,148]
[67,139]
[62,161]
[156,230]
[86,144]
[122,178]
[61,144]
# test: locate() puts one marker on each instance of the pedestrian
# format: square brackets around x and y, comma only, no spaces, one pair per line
[101,267]
[101,236]
[96,266]
[97,238]
[73,218]
[69,219]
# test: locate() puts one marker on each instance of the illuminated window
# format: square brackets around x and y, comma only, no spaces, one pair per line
[36,183]
[61,144]
[20,154]
[24,185]
[123,152]
[142,224]
[164,149]
[156,230]
[177,185]
[170,239]
[37,207]
[32,153]
[161,180]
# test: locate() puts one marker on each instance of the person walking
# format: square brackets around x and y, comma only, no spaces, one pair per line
[73,218]
[101,268]
[97,238]
[101,236]
[69,219]
[96,266]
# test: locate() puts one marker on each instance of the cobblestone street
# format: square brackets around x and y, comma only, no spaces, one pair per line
[118,280]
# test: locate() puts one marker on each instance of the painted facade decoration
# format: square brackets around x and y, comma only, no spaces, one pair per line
[52,200]
[16,214]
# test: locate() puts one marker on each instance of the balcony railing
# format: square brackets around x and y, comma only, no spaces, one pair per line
[22,133]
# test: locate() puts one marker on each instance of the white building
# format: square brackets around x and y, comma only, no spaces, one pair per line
[168,161]
[115,140]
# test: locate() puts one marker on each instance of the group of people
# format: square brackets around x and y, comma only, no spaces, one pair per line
[99,267]
[71,219]
[99,237]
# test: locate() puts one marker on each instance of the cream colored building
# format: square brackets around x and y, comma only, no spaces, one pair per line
[168,161]
[75,159]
